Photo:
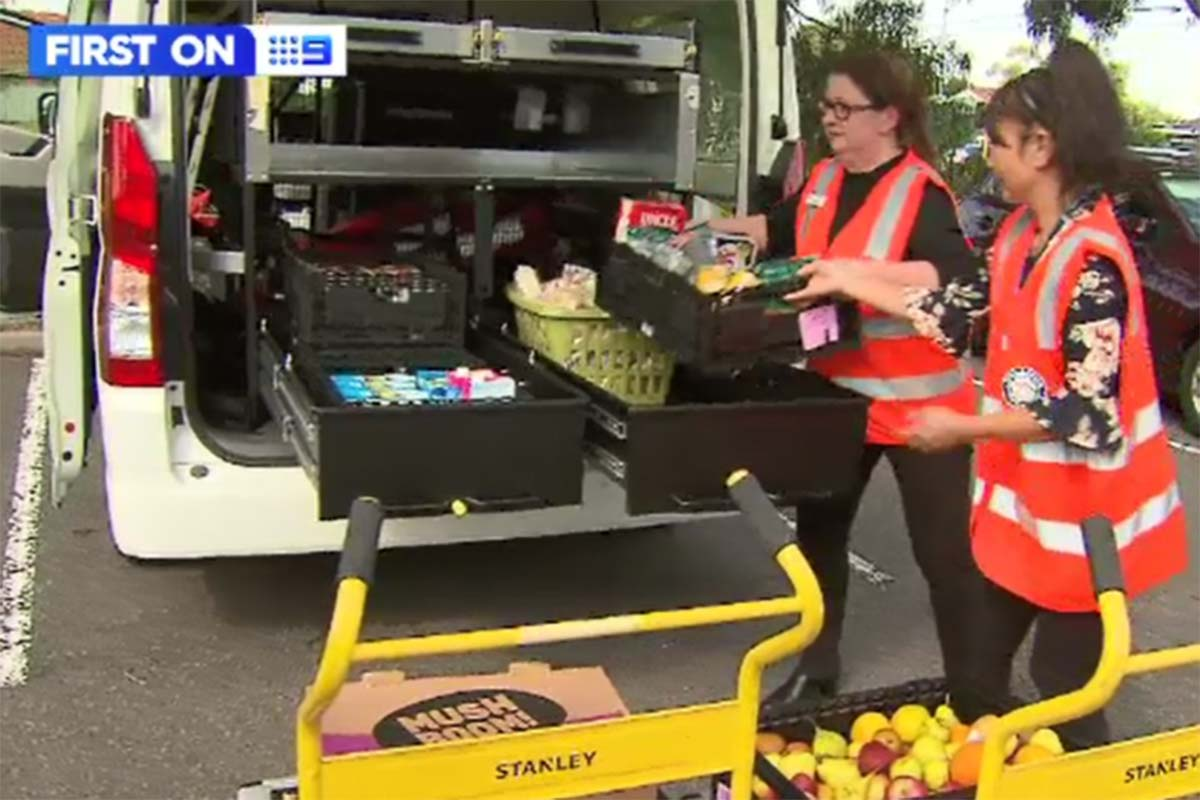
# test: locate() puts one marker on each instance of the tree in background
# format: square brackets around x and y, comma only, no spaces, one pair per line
[888,25]
[1053,19]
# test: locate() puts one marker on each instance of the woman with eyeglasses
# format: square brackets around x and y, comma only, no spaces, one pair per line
[878,198]
[1069,426]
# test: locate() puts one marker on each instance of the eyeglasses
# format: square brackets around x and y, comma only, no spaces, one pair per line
[842,111]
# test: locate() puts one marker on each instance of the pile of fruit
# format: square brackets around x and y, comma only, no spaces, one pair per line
[911,754]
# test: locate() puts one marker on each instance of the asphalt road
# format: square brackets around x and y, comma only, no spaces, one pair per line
[180,680]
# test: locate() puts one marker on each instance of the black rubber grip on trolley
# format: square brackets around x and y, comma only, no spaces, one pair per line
[1100,542]
[362,540]
[756,506]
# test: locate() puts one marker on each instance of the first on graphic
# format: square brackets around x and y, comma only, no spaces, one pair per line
[187,50]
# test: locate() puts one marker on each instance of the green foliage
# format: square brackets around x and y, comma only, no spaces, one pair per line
[883,25]
[1052,19]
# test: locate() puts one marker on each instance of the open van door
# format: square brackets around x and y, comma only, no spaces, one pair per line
[70,266]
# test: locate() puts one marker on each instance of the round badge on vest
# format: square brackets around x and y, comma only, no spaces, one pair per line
[1024,386]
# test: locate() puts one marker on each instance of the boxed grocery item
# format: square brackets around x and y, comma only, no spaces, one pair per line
[387,709]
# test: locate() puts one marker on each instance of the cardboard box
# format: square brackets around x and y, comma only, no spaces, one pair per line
[386,709]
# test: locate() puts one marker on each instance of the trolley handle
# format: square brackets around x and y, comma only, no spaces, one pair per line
[362,540]
[757,507]
[1100,543]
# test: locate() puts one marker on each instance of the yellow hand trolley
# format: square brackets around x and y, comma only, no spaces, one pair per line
[703,740]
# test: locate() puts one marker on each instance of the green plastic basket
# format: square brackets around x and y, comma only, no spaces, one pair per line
[590,344]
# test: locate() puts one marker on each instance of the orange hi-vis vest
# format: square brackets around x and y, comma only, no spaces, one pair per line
[1031,498]
[897,368]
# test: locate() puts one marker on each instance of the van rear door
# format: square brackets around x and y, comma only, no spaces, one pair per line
[70,265]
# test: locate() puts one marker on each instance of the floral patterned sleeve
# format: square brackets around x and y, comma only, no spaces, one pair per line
[946,314]
[1084,412]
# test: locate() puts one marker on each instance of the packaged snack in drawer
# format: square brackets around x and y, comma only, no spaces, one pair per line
[670,217]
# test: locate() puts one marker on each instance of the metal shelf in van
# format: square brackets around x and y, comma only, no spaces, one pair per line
[345,164]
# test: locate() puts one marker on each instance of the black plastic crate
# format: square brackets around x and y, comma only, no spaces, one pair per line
[373,298]
[799,722]
[496,455]
[707,330]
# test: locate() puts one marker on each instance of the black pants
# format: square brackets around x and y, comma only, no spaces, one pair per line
[935,491]
[1066,648]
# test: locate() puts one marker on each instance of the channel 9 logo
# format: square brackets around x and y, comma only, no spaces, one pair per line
[187,50]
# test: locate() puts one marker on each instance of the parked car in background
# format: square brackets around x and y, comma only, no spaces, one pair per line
[1162,220]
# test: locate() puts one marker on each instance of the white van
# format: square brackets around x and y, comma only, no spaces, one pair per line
[215,444]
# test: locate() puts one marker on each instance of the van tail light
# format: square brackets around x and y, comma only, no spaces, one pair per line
[130,330]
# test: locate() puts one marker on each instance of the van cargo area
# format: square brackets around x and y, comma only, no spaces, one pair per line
[426,176]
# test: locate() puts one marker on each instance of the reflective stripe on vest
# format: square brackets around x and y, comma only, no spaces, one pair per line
[977,494]
[1014,235]
[884,229]
[991,405]
[1048,299]
[1147,423]
[887,328]
[820,188]
[919,387]
[1067,537]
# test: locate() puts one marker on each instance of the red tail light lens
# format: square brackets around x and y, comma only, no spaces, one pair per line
[131,342]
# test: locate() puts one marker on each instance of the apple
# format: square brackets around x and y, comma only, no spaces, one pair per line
[890,738]
[876,787]
[824,792]
[905,787]
[875,757]
[797,747]
[806,784]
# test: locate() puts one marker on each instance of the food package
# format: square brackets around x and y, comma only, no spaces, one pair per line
[671,217]
[574,289]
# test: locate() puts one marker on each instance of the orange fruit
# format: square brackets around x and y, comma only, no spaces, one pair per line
[959,733]
[770,743]
[964,767]
[1032,753]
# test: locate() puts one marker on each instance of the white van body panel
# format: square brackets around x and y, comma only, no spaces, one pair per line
[170,496]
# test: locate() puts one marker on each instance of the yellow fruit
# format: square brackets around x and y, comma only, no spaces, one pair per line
[1032,753]
[775,760]
[829,744]
[1011,745]
[909,721]
[762,791]
[952,748]
[794,764]
[837,772]
[946,716]
[712,279]
[906,767]
[936,730]
[1047,739]
[926,749]
[937,774]
[867,725]
[854,749]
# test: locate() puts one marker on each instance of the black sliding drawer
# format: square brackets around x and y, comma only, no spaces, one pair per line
[420,459]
